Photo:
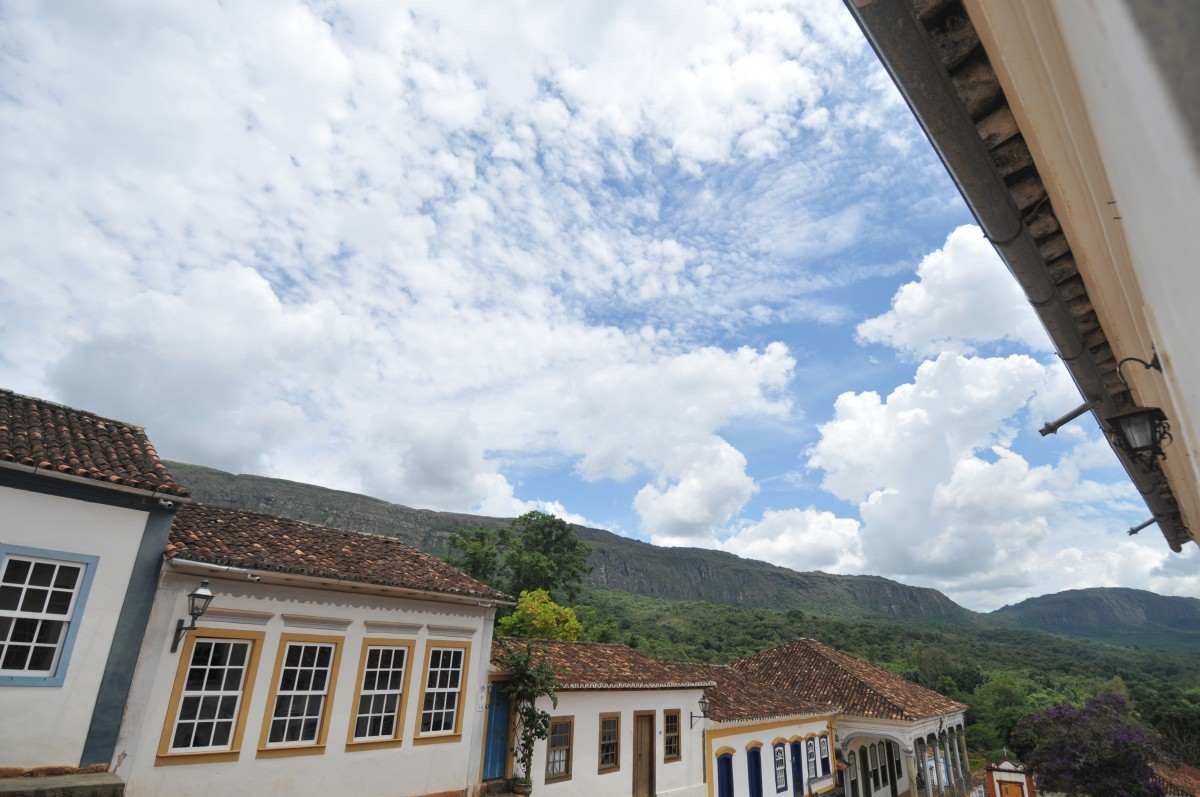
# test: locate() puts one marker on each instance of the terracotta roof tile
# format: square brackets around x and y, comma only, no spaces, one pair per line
[264,542]
[812,670]
[52,437]
[738,696]
[601,665]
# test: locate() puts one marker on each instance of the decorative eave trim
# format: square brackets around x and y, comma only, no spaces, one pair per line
[50,473]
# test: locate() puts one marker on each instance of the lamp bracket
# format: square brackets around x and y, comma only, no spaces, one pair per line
[1154,365]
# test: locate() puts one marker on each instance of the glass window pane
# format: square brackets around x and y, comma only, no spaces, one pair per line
[10,598]
[41,658]
[34,600]
[59,603]
[16,571]
[24,630]
[42,575]
[67,576]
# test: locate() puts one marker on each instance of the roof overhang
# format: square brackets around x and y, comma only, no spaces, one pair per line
[1011,211]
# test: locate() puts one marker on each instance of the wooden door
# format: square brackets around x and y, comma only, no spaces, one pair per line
[1010,789]
[643,754]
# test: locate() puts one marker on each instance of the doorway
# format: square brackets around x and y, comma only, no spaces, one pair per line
[1010,789]
[725,776]
[797,769]
[643,755]
[754,771]
[891,768]
[495,748]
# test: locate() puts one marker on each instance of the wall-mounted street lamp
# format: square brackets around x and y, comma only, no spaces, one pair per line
[198,601]
[1141,432]
[703,712]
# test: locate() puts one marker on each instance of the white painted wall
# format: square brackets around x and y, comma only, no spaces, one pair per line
[54,720]
[404,770]
[1155,179]
[864,778]
[740,738]
[681,778]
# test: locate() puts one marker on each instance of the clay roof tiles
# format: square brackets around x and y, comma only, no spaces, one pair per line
[602,665]
[51,437]
[812,670]
[255,541]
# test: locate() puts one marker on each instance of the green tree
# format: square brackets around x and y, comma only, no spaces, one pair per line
[477,551]
[538,617]
[544,553]
[528,680]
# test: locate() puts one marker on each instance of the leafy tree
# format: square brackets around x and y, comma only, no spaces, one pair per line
[528,681]
[476,551]
[545,553]
[1098,748]
[537,616]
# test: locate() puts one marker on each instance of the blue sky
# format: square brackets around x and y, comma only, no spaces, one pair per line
[689,272]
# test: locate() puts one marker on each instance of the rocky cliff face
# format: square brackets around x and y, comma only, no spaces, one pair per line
[618,563]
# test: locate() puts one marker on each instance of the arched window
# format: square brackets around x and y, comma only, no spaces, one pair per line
[853,759]
[754,771]
[725,775]
[884,766]
[874,766]
[899,764]
[824,755]
[780,760]
[812,759]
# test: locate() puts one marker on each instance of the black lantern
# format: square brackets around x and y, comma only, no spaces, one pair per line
[704,704]
[198,602]
[1141,432]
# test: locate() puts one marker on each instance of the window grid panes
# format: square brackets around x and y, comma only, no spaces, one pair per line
[883,764]
[812,759]
[874,759]
[443,683]
[671,746]
[824,755]
[37,598]
[558,752]
[212,693]
[899,768]
[853,758]
[379,698]
[610,743]
[780,768]
[300,698]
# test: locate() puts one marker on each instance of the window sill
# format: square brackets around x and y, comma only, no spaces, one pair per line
[608,770]
[175,759]
[449,737]
[287,752]
[674,760]
[559,779]
[372,744]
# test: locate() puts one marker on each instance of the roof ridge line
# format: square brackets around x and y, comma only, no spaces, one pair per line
[68,407]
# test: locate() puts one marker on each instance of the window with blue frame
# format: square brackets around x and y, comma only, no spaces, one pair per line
[42,595]
[780,754]
[812,759]
[754,771]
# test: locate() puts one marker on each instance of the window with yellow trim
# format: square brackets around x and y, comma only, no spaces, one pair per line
[672,746]
[297,717]
[377,713]
[443,690]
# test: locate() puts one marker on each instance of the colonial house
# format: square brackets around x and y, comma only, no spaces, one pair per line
[193,650]
[328,661]
[85,508]
[800,718]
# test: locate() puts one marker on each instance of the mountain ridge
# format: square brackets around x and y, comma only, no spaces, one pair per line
[1118,615]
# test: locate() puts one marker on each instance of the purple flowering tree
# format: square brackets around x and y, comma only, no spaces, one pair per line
[1094,749]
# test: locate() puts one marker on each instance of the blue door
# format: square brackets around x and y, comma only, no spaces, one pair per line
[797,768]
[495,751]
[725,776]
[754,771]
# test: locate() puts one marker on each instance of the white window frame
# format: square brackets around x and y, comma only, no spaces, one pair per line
[429,693]
[810,756]
[779,762]
[400,675]
[55,674]
[307,694]
[823,754]
[219,694]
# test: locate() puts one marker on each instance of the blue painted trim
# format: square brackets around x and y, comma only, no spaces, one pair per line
[64,658]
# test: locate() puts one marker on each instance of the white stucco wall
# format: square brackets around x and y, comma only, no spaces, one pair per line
[864,779]
[681,778]
[405,770]
[741,737]
[54,720]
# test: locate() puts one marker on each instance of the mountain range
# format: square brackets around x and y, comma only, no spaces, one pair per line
[1116,615]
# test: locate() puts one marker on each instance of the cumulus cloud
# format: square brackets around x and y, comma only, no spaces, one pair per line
[963,298]
[802,539]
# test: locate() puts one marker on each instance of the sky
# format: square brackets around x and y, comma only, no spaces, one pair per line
[689,272]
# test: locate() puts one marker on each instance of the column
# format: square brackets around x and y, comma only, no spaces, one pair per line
[937,768]
[909,757]
[961,737]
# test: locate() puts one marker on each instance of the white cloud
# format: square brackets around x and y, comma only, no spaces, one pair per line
[963,297]
[802,539]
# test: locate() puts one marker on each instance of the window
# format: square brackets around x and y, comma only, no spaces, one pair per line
[874,766]
[41,597]
[812,758]
[898,764]
[206,714]
[558,748]
[672,748]
[441,698]
[853,761]
[305,672]
[779,753]
[610,743]
[754,770]
[384,667]
[824,742]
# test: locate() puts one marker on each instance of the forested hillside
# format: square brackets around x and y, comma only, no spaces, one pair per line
[1124,616]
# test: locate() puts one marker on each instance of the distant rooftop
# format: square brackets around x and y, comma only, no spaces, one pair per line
[60,440]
